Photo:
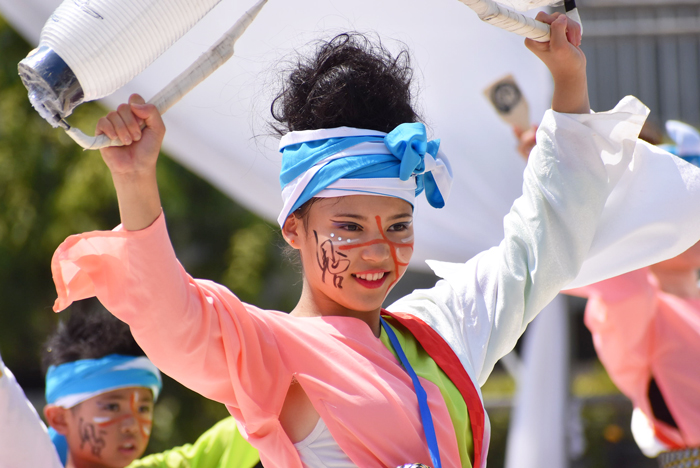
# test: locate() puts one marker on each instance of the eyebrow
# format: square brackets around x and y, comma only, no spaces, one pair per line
[364,218]
[146,399]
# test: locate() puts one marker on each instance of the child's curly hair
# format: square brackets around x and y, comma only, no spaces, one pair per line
[350,81]
[89,333]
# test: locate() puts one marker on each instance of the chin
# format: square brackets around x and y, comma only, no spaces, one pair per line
[361,306]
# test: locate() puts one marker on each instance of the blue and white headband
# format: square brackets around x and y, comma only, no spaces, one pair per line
[687,141]
[349,161]
[74,382]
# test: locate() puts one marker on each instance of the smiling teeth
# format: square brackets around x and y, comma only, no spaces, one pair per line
[372,277]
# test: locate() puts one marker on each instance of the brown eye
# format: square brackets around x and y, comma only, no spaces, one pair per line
[398,227]
[113,407]
[351,227]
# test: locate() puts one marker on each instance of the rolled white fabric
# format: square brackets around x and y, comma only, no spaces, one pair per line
[498,15]
[186,81]
[106,43]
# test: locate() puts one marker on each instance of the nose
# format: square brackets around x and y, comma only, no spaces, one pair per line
[376,252]
[130,424]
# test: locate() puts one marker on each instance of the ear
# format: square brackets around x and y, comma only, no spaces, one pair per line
[56,417]
[292,230]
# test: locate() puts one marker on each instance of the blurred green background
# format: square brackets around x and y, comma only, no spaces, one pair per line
[50,189]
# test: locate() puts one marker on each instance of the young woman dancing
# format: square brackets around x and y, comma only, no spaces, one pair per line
[339,381]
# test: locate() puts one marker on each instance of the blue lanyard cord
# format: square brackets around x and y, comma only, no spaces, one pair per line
[425,415]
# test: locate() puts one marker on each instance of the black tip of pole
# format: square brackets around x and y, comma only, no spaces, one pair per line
[569,5]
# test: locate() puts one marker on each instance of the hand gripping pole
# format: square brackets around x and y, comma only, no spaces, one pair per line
[204,66]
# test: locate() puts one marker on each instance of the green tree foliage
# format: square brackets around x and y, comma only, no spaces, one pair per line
[50,189]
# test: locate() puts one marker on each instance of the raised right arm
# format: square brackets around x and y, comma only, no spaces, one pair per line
[133,166]
[198,332]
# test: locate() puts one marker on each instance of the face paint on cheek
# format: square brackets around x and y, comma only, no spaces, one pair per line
[331,261]
[404,254]
[400,251]
[91,437]
[102,421]
[145,421]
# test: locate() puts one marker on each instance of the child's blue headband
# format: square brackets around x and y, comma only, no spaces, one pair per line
[350,161]
[687,141]
[74,382]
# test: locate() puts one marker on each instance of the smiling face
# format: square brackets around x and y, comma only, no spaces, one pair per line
[111,429]
[353,250]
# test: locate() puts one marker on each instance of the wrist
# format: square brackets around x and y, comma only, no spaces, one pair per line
[571,95]
[135,177]
[139,199]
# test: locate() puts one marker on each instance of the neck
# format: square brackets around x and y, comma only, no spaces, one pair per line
[678,282]
[313,304]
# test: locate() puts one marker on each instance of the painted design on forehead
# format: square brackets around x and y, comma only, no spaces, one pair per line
[331,261]
[144,421]
[393,246]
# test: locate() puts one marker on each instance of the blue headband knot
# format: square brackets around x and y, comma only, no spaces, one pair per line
[409,143]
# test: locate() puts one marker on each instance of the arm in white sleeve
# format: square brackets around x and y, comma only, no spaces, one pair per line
[483,306]
[24,440]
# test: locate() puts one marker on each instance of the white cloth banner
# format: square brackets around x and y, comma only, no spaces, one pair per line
[215,131]
[537,434]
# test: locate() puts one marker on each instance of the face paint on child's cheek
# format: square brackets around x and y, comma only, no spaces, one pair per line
[330,260]
[91,437]
[145,421]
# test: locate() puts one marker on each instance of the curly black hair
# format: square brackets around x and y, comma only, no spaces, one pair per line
[349,81]
[90,332]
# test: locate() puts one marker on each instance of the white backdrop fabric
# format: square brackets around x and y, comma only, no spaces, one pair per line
[219,130]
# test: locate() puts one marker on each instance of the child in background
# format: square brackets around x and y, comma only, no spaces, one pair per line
[100,392]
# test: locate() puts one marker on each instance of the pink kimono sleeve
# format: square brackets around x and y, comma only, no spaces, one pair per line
[619,315]
[193,330]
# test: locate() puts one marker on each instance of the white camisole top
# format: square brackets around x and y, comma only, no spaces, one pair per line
[320,450]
